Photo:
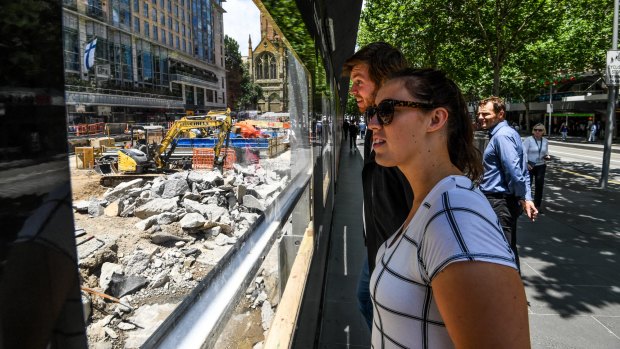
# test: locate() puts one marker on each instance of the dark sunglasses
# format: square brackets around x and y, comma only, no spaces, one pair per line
[385,110]
[538,129]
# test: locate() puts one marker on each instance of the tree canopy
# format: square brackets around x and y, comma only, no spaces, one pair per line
[499,47]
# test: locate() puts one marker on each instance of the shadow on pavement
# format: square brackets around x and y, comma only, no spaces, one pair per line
[570,255]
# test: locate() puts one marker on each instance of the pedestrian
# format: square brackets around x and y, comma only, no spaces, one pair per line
[536,147]
[505,182]
[387,194]
[447,277]
[362,127]
[593,130]
[353,129]
[319,130]
[563,130]
[345,128]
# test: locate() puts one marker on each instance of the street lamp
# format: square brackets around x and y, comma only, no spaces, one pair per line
[550,107]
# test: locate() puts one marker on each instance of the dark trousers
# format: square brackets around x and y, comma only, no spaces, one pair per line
[537,176]
[364,301]
[507,209]
[352,140]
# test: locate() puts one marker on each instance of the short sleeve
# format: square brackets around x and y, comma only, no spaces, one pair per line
[463,227]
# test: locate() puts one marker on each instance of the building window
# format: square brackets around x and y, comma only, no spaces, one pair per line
[154,14]
[136,25]
[200,96]
[145,10]
[155,33]
[147,32]
[170,39]
[266,66]
[72,49]
[169,23]
[163,36]
[189,94]
[136,6]
[162,18]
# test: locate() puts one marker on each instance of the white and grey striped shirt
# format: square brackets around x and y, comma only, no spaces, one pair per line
[455,223]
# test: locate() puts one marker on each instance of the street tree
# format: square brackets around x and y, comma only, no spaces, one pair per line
[242,92]
[234,71]
[472,40]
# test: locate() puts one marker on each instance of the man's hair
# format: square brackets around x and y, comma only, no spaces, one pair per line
[382,59]
[498,103]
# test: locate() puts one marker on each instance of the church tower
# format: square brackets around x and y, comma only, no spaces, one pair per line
[267,64]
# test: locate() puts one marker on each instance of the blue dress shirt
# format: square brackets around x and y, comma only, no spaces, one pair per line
[505,166]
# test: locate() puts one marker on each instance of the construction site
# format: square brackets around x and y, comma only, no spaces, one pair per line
[156,210]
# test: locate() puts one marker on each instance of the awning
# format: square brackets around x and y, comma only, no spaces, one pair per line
[582,115]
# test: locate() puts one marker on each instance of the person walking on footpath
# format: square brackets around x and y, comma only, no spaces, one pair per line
[536,148]
[353,129]
[593,130]
[345,128]
[387,194]
[564,131]
[505,181]
[362,126]
[447,277]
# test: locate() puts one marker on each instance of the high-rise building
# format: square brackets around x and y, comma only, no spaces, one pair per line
[154,59]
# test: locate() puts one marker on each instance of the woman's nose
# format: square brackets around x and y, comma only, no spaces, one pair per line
[373,122]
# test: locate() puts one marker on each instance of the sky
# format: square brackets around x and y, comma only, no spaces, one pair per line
[241,19]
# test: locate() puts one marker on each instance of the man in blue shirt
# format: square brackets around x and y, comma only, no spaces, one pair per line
[505,182]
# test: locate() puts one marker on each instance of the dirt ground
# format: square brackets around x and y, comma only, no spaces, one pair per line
[85,183]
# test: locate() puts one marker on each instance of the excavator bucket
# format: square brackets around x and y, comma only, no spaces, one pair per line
[105,168]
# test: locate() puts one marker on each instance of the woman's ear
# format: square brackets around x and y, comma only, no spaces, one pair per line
[438,119]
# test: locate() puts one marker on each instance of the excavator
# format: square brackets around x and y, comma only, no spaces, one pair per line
[157,157]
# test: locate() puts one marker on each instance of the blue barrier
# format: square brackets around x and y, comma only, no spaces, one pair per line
[262,143]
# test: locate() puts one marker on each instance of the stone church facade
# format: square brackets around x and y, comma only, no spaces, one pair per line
[267,65]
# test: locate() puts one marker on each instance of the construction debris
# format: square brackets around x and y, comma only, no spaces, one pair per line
[147,244]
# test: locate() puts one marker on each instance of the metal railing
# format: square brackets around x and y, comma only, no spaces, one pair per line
[98,96]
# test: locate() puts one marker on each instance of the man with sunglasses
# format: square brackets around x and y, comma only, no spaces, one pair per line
[387,194]
[505,182]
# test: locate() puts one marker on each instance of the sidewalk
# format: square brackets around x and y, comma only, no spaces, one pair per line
[569,260]
[570,263]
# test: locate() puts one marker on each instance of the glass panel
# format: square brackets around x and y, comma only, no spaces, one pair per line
[40,303]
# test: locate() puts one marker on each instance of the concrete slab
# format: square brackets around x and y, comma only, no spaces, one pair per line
[557,332]
[343,324]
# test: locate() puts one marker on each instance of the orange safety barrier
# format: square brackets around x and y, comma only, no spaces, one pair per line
[251,157]
[203,158]
[89,129]
[230,159]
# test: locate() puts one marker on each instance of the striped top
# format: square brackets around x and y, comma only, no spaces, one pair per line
[455,223]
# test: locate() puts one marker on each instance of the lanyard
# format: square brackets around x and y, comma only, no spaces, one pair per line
[539,146]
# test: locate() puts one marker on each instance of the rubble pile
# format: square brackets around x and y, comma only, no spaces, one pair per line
[181,225]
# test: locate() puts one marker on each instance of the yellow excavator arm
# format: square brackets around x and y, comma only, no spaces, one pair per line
[214,119]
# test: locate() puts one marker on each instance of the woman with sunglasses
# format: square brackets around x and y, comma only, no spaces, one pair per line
[447,277]
[537,149]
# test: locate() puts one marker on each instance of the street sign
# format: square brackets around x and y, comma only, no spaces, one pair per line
[612,78]
[549,108]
